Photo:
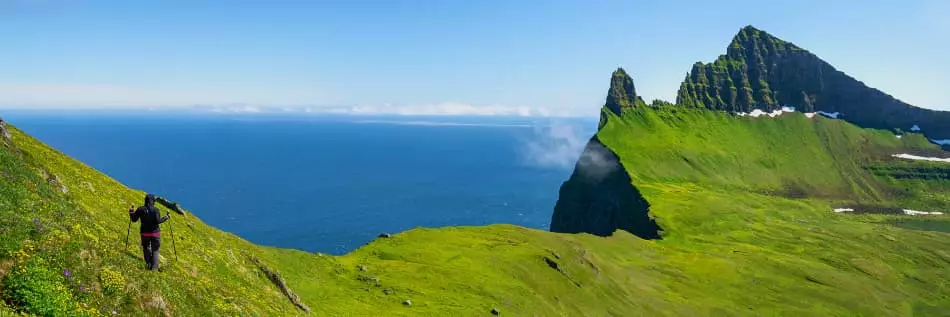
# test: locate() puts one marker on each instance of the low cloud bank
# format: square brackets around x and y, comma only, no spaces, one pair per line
[443,109]
[557,144]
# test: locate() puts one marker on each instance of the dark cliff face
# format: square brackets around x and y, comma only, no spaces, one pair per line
[760,71]
[600,199]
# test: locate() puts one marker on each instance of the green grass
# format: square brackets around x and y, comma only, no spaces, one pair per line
[745,205]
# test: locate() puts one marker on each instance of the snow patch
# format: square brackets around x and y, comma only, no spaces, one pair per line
[915,212]
[915,128]
[941,142]
[833,115]
[809,115]
[906,211]
[921,158]
[899,136]
[759,112]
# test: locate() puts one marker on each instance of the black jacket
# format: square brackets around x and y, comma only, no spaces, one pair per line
[150,215]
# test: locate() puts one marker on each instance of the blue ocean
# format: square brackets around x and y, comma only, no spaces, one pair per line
[329,183]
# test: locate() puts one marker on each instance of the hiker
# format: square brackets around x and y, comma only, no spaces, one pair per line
[151,236]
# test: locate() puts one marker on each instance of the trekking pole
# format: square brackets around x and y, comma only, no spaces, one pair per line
[172,232]
[128,231]
[127,235]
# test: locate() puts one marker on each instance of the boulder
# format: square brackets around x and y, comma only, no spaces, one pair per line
[56,183]
[4,132]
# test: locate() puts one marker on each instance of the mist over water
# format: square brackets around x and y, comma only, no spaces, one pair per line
[561,145]
[556,144]
[331,184]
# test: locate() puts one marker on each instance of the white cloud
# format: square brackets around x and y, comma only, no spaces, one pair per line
[445,109]
[557,145]
[82,96]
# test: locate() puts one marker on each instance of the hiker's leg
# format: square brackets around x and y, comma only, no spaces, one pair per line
[147,252]
[156,242]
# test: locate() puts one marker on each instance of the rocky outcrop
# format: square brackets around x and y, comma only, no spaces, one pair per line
[621,95]
[278,281]
[173,206]
[57,184]
[600,198]
[4,131]
[760,71]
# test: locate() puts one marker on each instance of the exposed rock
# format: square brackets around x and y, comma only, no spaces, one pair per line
[495,311]
[760,71]
[278,281]
[407,302]
[54,181]
[621,95]
[89,186]
[553,264]
[600,198]
[373,279]
[173,206]
[157,302]
[362,268]
[4,131]
[384,235]
[557,267]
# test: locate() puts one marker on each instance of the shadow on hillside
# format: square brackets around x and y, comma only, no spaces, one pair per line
[941,225]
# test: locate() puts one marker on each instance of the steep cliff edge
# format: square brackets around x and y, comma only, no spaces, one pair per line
[600,198]
[760,71]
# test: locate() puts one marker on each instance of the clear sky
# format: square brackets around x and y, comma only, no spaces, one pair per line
[480,56]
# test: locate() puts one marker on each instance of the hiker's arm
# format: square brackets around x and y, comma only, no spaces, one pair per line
[163,219]
[133,214]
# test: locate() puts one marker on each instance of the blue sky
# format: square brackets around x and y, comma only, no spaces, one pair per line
[489,57]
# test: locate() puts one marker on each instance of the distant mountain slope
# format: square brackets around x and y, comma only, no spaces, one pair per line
[760,71]
[791,155]
[760,193]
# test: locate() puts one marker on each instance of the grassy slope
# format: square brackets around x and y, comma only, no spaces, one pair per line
[707,175]
[729,247]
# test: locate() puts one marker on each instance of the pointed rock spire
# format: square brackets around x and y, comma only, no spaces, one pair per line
[622,93]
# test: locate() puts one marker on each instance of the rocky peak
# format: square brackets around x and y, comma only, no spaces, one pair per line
[622,93]
[761,71]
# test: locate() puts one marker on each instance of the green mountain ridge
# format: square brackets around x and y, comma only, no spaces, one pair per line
[761,71]
[693,211]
